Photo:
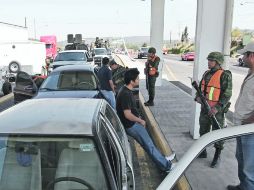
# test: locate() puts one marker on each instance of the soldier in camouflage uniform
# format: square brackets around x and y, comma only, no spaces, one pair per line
[216,86]
[151,72]
[117,75]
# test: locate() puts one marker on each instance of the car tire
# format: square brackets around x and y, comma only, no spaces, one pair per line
[240,62]
[7,88]
[14,67]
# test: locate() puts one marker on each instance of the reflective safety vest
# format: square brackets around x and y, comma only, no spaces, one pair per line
[213,88]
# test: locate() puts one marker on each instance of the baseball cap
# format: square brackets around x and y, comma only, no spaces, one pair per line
[248,48]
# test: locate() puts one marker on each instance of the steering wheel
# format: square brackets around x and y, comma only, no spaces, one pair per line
[85,83]
[75,179]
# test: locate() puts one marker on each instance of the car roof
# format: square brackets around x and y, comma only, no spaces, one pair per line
[80,67]
[52,116]
[99,48]
[72,51]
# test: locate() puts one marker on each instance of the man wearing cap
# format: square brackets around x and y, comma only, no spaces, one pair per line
[151,72]
[244,114]
[117,75]
[216,86]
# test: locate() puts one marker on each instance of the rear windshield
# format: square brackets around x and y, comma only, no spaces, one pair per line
[50,163]
[71,56]
[70,80]
[144,49]
[100,51]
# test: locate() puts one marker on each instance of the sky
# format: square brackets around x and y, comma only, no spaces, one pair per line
[109,18]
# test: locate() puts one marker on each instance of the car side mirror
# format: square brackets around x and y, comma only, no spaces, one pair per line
[90,59]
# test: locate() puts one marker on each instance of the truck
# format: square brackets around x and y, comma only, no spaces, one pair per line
[51,46]
[28,56]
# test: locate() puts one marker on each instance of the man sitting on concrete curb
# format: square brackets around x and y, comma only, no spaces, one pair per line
[134,125]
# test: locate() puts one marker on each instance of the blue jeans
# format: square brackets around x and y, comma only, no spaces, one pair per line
[245,158]
[140,134]
[110,97]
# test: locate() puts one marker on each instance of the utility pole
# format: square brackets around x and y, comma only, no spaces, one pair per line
[170,38]
[34,30]
[25,21]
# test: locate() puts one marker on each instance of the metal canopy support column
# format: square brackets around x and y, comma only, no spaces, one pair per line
[157,31]
[213,26]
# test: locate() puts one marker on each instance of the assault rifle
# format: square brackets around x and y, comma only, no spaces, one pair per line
[206,105]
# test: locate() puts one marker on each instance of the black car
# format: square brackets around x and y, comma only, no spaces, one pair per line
[71,81]
[143,52]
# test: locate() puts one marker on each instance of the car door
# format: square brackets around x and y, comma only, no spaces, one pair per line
[121,170]
[25,87]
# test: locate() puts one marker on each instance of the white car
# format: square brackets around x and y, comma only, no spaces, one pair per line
[198,146]
[71,57]
[99,54]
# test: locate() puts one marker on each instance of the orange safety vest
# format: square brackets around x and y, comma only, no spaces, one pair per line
[213,88]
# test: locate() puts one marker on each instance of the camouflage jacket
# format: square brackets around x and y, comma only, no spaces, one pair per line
[118,76]
[226,87]
[152,63]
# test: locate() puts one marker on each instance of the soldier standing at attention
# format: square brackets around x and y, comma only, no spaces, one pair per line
[151,72]
[216,86]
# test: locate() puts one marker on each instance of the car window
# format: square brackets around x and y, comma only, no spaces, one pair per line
[111,151]
[70,80]
[24,79]
[144,49]
[35,162]
[100,51]
[115,122]
[71,56]
[48,46]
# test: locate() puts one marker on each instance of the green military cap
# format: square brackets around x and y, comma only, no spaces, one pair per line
[152,50]
[216,56]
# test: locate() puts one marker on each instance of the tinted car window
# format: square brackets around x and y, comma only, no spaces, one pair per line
[70,80]
[71,56]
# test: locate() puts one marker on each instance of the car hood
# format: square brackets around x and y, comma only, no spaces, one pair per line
[67,94]
[100,56]
[58,63]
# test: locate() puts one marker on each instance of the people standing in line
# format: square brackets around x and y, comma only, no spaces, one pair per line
[107,86]
[244,114]
[216,86]
[134,125]
[151,72]
[117,74]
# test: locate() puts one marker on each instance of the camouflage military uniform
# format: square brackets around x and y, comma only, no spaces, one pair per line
[219,100]
[225,95]
[118,77]
[152,79]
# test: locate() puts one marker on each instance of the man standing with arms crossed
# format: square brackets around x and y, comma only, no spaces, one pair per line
[151,72]
[216,86]
[244,114]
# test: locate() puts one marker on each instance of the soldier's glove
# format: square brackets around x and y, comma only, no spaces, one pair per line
[212,112]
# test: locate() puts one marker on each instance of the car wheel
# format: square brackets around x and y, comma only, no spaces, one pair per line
[14,67]
[240,62]
[7,89]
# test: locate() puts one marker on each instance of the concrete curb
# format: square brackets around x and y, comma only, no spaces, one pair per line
[159,139]
[6,98]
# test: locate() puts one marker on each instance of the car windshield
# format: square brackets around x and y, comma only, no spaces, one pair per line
[70,80]
[46,163]
[71,56]
[100,52]
[144,49]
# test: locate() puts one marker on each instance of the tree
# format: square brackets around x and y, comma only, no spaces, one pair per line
[185,35]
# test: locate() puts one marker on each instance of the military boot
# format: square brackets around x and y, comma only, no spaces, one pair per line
[203,154]
[216,158]
[149,103]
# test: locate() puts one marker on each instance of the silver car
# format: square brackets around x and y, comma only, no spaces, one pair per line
[64,144]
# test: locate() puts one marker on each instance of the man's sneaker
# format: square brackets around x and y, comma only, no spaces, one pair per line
[171,157]
[171,168]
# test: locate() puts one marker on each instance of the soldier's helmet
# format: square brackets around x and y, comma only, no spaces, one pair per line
[152,50]
[216,56]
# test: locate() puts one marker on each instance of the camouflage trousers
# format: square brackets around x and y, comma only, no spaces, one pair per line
[206,124]
[151,87]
